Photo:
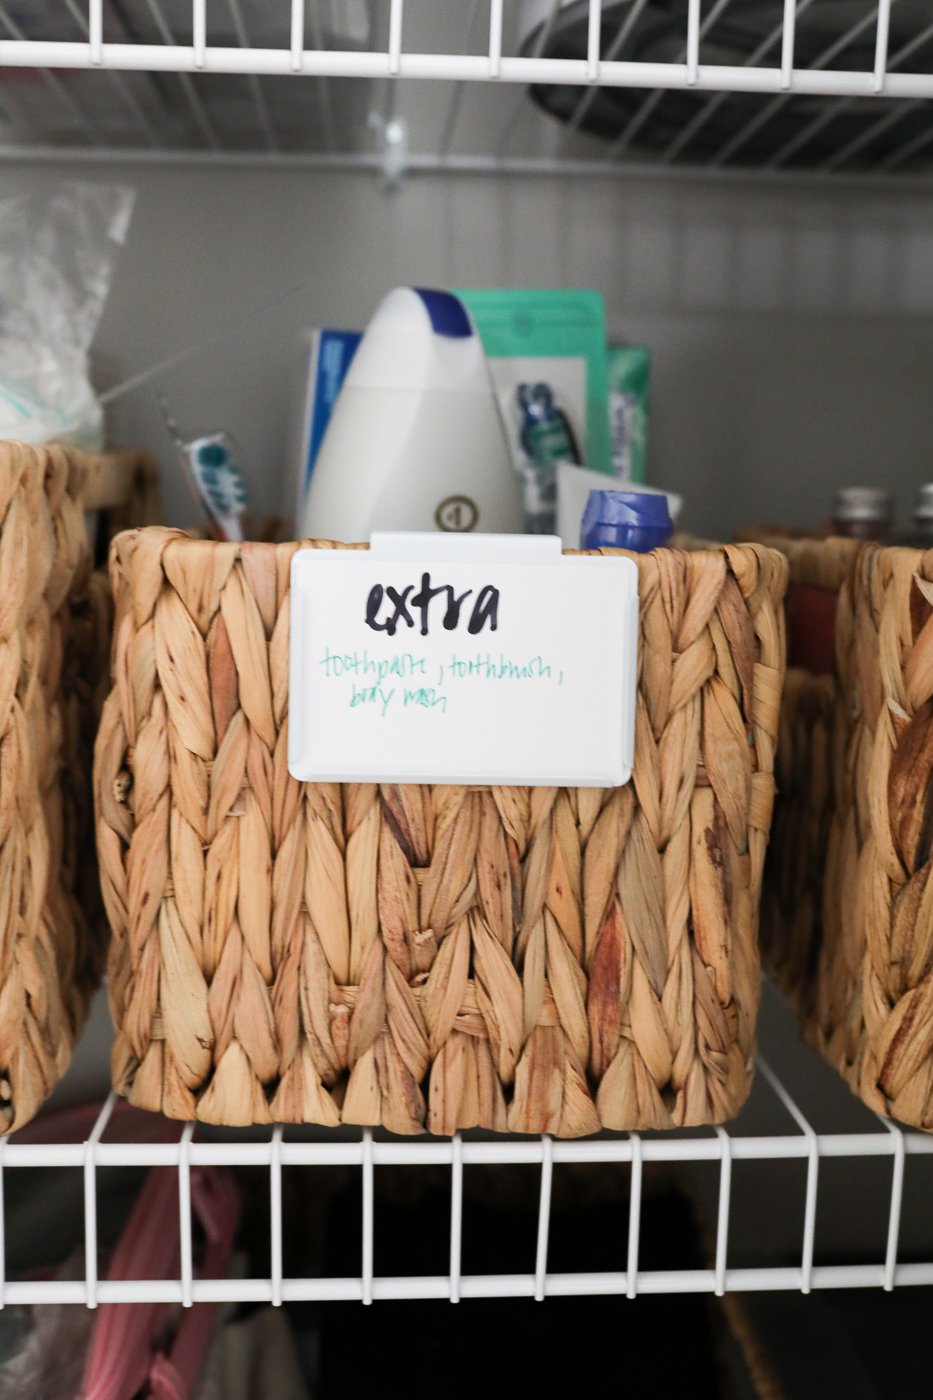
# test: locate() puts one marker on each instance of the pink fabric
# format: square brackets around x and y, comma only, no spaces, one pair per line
[165,1383]
[215,1200]
[121,1358]
[74,1125]
[119,1355]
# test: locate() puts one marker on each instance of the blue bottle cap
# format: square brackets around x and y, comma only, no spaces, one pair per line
[447,313]
[636,520]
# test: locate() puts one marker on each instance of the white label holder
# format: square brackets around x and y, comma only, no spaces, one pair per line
[454,658]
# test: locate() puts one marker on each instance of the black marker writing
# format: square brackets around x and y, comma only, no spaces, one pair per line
[401,605]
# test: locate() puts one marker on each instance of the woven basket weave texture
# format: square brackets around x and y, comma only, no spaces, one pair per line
[847,924]
[816,718]
[526,960]
[52,658]
[874,1004]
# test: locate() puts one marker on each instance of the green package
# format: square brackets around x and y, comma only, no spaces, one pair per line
[629,372]
[524,329]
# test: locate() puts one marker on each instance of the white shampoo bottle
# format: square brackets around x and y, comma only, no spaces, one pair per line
[416,441]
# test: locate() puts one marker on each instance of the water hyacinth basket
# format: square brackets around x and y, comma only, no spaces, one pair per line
[430,958]
[847,909]
[53,657]
[816,717]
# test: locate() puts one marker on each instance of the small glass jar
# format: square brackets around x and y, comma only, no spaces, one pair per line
[922,522]
[863,513]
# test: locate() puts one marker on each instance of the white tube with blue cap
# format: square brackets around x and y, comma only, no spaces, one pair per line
[416,440]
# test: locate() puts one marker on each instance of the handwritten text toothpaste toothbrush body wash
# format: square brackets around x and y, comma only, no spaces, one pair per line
[478,660]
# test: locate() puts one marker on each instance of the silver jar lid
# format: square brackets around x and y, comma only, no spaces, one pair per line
[923,505]
[863,503]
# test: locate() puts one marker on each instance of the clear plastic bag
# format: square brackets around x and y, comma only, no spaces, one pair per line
[42,1348]
[57,253]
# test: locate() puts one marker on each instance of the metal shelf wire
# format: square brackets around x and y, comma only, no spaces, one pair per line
[277,1150]
[811,85]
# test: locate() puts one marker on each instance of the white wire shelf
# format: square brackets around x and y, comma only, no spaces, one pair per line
[770,85]
[721,1150]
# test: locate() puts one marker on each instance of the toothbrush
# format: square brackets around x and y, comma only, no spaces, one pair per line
[211,467]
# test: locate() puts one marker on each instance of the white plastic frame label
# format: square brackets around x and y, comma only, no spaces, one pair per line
[435,658]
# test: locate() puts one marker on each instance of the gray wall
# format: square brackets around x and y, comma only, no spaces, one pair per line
[792,328]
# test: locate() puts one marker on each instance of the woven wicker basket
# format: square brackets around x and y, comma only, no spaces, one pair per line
[54,644]
[530,960]
[122,487]
[816,716]
[846,923]
[874,1005]
[119,489]
[48,961]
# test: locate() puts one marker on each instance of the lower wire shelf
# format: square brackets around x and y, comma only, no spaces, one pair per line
[719,1152]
